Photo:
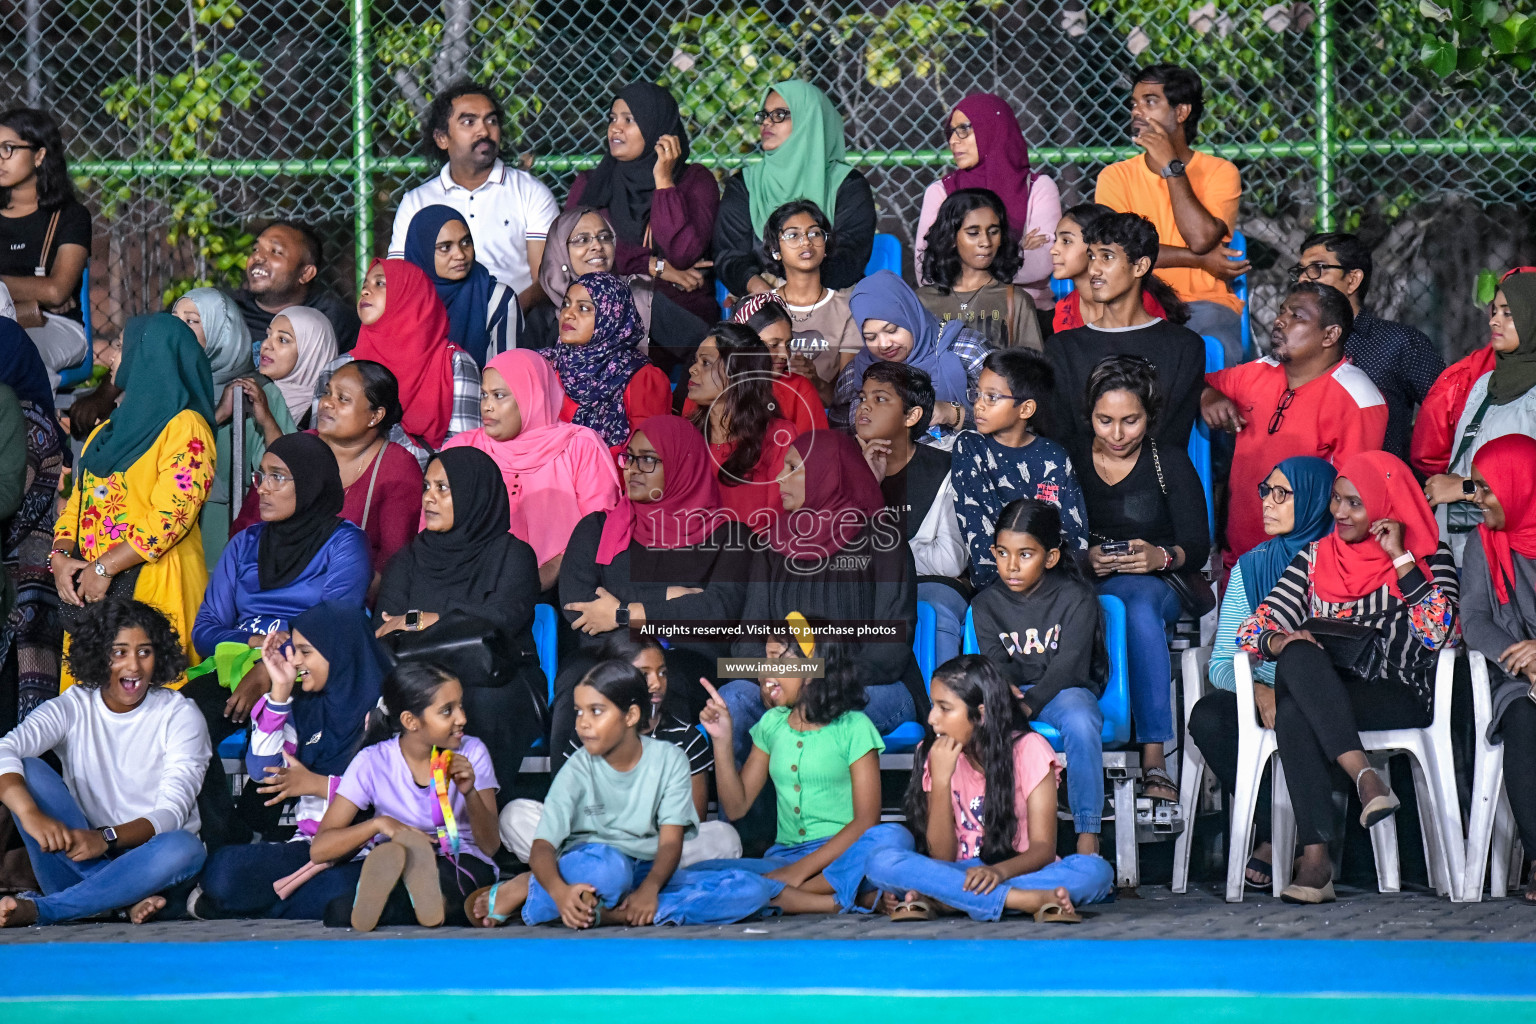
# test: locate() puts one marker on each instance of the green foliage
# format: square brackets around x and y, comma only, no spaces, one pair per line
[1471,37]
[502,40]
[914,38]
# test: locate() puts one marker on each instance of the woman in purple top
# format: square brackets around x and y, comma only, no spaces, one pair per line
[662,207]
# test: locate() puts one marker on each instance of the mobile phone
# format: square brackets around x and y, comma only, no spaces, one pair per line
[1116,547]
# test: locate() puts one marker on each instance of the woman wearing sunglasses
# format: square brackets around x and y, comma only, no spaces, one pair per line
[802,137]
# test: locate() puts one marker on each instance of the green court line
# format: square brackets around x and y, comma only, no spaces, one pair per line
[770,1009]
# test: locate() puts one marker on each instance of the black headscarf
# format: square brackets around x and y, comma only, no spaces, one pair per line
[460,566]
[624,189]
[330,724]
[288,546]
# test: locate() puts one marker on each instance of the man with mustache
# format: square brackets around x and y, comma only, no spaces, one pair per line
[1190,197]
[1304,398]
[508,210]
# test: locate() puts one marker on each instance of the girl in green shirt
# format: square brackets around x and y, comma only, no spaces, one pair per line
[823,755]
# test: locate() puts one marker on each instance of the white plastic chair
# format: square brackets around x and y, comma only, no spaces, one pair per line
[1193,664]
[1490,823]
[1255,747]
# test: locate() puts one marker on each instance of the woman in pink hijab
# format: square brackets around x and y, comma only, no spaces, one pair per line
[555,472]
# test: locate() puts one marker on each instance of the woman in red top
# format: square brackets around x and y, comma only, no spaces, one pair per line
[1069,262]
[731,386]
[799,401]
[609,386]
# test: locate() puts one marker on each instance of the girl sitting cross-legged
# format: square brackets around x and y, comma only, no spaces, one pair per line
[611,834]
[984,856]
[823,754]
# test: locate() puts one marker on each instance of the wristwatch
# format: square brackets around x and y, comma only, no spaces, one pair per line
[621,615]
[109,835]
[413,621]
[661,265]
[1173,169]
[100,569]
[1468,489]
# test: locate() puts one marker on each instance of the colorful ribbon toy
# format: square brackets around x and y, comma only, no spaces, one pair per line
[447,827]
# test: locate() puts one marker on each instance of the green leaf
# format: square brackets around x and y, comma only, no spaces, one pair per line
[1485,288]
[1441,58]
[1502,38]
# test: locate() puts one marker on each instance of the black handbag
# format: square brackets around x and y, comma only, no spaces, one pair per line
[121,586]
[479,654]
[1354,649]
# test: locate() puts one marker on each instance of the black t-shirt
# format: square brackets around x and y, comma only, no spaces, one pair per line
[21,244]
[341,314]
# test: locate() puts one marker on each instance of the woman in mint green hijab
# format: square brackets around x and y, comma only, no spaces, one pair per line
[803,158]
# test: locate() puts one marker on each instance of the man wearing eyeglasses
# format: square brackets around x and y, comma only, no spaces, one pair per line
[508,210]
[1400,360]
[1304,398]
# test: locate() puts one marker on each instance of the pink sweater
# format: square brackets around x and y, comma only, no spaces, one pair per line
[1044,213]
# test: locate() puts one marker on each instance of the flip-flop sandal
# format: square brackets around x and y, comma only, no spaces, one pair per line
[420,877]
[1161,779]
[1052,913]
[1259,867]
[489,892]
[381,870]
[913,910]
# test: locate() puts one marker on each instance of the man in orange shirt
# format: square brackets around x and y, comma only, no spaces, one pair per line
[1190,197]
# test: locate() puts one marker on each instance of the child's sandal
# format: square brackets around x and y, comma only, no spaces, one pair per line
[420,877]
[913,910]
[381,870]
[489,892]
[1052,913]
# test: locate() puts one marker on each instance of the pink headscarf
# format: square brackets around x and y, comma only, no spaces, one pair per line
[1002,157]
[556,473]
[689,506]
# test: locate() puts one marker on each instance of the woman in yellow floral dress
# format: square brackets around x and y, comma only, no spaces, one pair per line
[142,480]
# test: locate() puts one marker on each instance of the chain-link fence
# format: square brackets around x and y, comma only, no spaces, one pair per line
[191,121]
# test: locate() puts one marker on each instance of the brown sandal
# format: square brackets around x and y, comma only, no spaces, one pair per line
[420,877]
[913,910]
[1052,913]
[381,870]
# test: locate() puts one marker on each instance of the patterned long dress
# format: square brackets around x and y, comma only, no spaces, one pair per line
[33,624]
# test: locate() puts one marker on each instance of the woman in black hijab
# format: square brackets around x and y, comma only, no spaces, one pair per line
[467,585]
[662,207]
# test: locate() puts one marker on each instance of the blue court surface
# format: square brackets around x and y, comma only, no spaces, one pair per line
[607,979]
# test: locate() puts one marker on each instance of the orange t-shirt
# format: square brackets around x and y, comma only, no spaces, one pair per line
[1130,186]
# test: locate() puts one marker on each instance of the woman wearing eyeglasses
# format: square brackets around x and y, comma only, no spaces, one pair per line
[662,207]
[990,152]
[802,139]
[665,554]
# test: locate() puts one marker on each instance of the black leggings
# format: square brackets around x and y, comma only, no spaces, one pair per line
[1517,727]
[1318,718]
[1213,727]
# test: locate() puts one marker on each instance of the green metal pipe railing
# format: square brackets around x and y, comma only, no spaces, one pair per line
[362,137]
[1323,54]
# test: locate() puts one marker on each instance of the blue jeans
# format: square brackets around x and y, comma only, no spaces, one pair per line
[1088,878]
[1074,712]
[949,619]
[1151,609]
[845,874]
[691,895]
[75,889]
[1222,324]
[889,705]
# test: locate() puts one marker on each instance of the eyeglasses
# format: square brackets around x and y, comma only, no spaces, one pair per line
[1280,494]
[276,480]
[1285,403]
[815,236]
[583,240]
[978,397]
[644,463]
[778,115]
[1312,271]
[8,149]
[958,131]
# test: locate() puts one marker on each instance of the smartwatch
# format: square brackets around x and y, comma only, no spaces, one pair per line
[1174,169]
[621,615]
[109,835]
[1468,489]
[413,621]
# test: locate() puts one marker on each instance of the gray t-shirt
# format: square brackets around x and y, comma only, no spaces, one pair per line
[590,802]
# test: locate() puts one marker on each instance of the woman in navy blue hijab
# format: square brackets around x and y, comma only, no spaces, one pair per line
[483,315]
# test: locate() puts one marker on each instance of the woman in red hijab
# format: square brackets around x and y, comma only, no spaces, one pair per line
[664,554]
[1382,567]
[837,556]
[1498,614]
[405,327]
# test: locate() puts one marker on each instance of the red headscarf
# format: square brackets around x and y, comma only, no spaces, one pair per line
[841,494]
[1002,157]
[689,505]
[411,339]
[1347,572]
[1508,463]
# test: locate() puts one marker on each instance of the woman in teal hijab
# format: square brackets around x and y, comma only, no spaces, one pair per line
[803,158]
[141,483]
[216,321]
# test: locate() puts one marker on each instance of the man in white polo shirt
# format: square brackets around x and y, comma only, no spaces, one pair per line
[509,210]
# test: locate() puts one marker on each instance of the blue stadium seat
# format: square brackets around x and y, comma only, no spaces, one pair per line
[1061,289]
[233,746]
[1240,289]
[884,255]
[906,736]
[1200,438]
[1116,702]
[721,295]
[77,375]
[546,640]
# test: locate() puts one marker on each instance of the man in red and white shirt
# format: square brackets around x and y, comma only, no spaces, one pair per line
[1304,398]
